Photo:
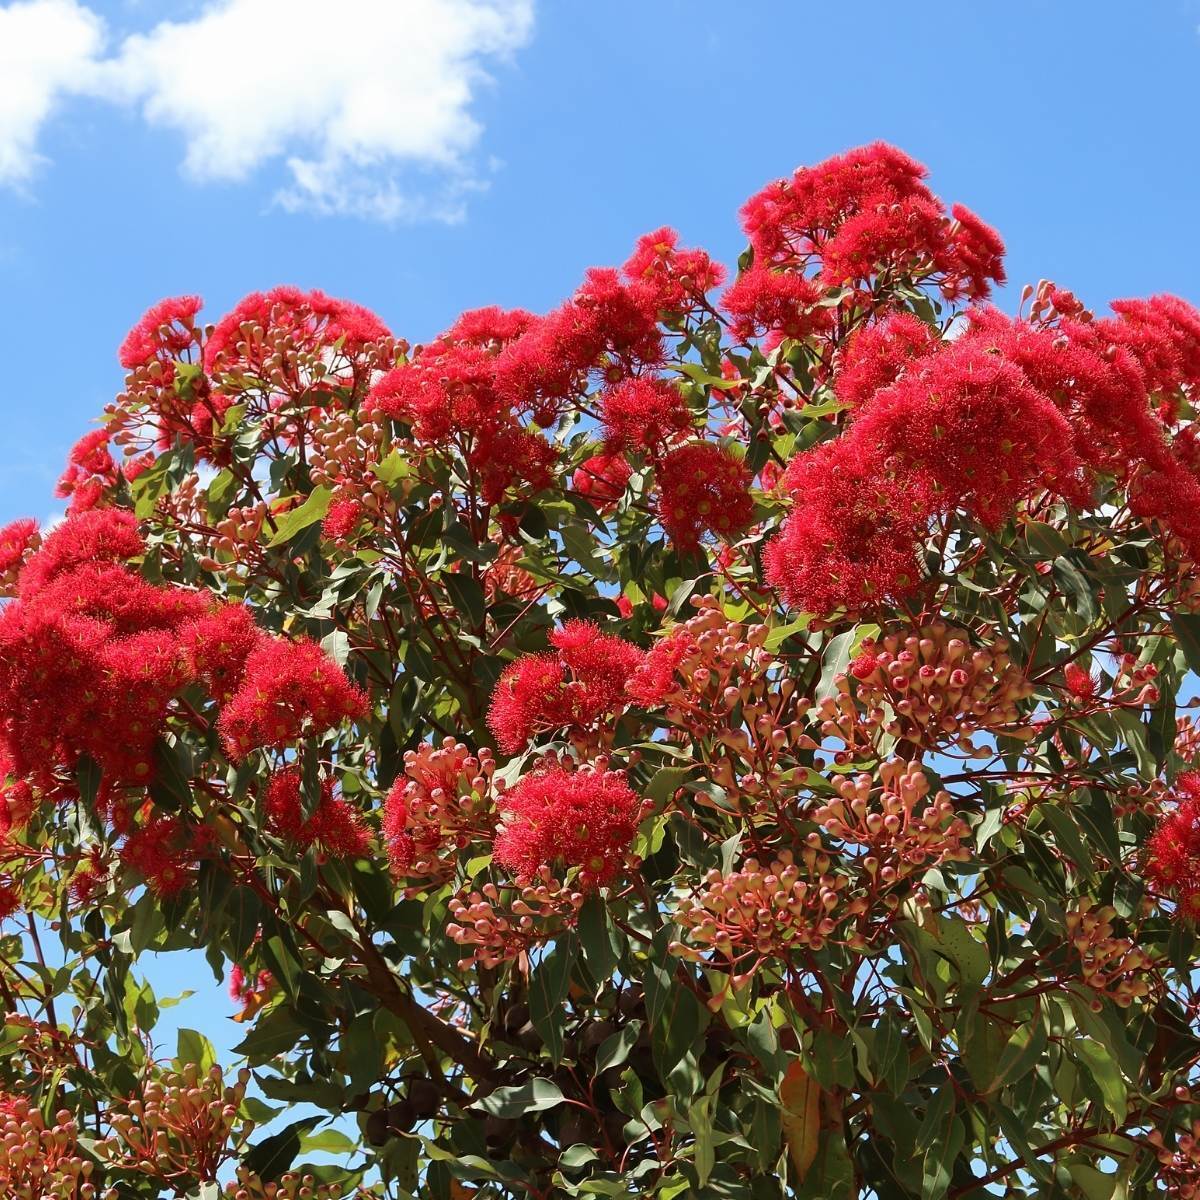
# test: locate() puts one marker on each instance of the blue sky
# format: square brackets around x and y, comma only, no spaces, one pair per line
[1070,126]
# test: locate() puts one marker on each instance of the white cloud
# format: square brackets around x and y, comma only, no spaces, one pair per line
[47,48]
[365,103]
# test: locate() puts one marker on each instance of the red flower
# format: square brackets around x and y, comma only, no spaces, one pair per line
[162,854]
[878,354]
[289,690]
[1172,855]
[305,321]
[779,302]
[655,677]
[335,827]
[585,819]
[106,535]
[868,213]
[1079,682]
[17,541]
[572,688]
[703,488]
[602,479]
[164,333]
[342,519]
[852,539]
[218,645]
[676,278]
[643,414]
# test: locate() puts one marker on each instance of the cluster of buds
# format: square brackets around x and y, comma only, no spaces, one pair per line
[443,801]
[764,911]
[184,504]
[185,1126]
[928,688]
[902,827]
[293,366]
[505,578]
[1111,966]
[1178,1169]
[17,542]
[346,449]
[715,678]
[1187,739]
[1133,685]
[239,527]
[502,924]
[40,1162]
[289,1186]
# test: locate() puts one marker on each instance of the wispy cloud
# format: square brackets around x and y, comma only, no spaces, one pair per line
[48,48]
[365,106]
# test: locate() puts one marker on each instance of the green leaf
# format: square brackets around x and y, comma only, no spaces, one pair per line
[393,468]
[87,776]
[1021,1052]
[195,1048]
[273,1155]
[1186,627]
[548,994]
[531,1097]
[1106,1074]
[467,597]
[298,519]
[615,1050]
[595,937]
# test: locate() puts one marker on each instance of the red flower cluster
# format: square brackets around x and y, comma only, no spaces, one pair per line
[335,826]
[267,327]
[342,519]
[643,414]
[16,799]
[18,541]
[878,354]
[703,488]
[165,332]
[585,819]
[783,304]
[981,423]
[574,687]
[163,852]
[677,278]
[867,214]
[289,690]
[442,800]
[602,479]
[90,654]
[1172,855]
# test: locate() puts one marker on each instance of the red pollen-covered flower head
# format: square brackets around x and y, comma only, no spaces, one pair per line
[289,690]
[165,331]
[18,540]
[1080,683]
[602,479]
[161,852]
[106,535]
[878,354]
[335,826]
[703,488]
[585,819]
[572,688]
[677,278]
[783,303]
[643,414]
[218,645]
[342,519]
[245,339]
